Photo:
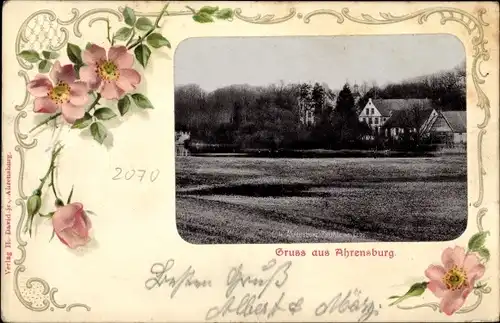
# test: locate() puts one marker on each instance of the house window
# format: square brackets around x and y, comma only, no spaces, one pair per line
[370,120]
[373,111]
[376,120]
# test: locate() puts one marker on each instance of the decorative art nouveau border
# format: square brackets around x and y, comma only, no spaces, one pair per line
[39,296]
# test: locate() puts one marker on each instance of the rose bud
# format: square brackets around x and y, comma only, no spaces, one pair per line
[34,203]
[33,206]
[71,225]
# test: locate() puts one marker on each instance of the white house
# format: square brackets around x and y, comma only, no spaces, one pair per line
[377,113]
[374,115]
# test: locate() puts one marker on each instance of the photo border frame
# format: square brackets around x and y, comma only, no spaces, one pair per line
[474,24]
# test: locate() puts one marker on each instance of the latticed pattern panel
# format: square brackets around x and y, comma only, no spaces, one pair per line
[41,33]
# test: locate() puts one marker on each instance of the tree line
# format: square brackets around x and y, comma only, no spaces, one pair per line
[272,117]
[446,89]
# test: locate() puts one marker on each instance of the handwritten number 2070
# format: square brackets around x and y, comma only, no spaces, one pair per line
[137,173]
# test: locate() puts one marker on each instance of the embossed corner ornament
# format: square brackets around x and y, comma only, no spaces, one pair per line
[42,35]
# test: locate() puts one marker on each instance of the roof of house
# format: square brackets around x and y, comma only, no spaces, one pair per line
[457,120]
[409,118]
[386,106]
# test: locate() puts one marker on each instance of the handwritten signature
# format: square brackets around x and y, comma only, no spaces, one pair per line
[367,307]
[249,305]
[161,277]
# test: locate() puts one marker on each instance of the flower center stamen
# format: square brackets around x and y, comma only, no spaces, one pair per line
[60,93]
[107,71]
[455,278]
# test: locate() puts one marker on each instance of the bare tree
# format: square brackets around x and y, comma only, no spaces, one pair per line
[413,119]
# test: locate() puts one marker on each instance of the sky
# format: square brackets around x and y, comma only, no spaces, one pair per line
[221,61]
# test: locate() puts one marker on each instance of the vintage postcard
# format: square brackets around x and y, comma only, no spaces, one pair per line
[182,161]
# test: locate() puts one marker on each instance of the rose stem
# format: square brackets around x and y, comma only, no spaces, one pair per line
[131,36]
[96,101]
[51,167]
[46,121]
[52,184]
[29,223]
[111,40]
[151,29]
[92,106]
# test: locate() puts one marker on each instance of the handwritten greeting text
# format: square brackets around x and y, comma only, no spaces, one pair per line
[186,279]
[248,294]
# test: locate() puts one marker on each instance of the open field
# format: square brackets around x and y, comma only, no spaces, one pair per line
[265,200]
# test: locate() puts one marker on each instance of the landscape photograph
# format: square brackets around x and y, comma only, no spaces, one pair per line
[320,139]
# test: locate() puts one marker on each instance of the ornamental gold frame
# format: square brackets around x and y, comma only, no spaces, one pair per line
[474,24]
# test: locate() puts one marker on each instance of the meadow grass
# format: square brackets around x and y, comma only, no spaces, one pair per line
[338,200]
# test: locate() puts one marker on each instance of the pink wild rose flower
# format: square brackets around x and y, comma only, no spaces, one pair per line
[72,225]
[62,93]
[112,74]
[454,281]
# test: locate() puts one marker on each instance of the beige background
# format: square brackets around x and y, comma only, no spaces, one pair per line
[135,223]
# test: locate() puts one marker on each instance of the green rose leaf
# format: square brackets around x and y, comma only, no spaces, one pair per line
[124,105]
[142,101]
[99,132]
[104,114]
[144,24]
[225,14]
[123,33]
[142,53]
[484,253]
[129,16]
[83,122]
[209,10]
[30,56]
[49,55]
[202,17]
[88,45]
[74,54]
[416,289]
[476,242]
[44,66]
[156,40]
